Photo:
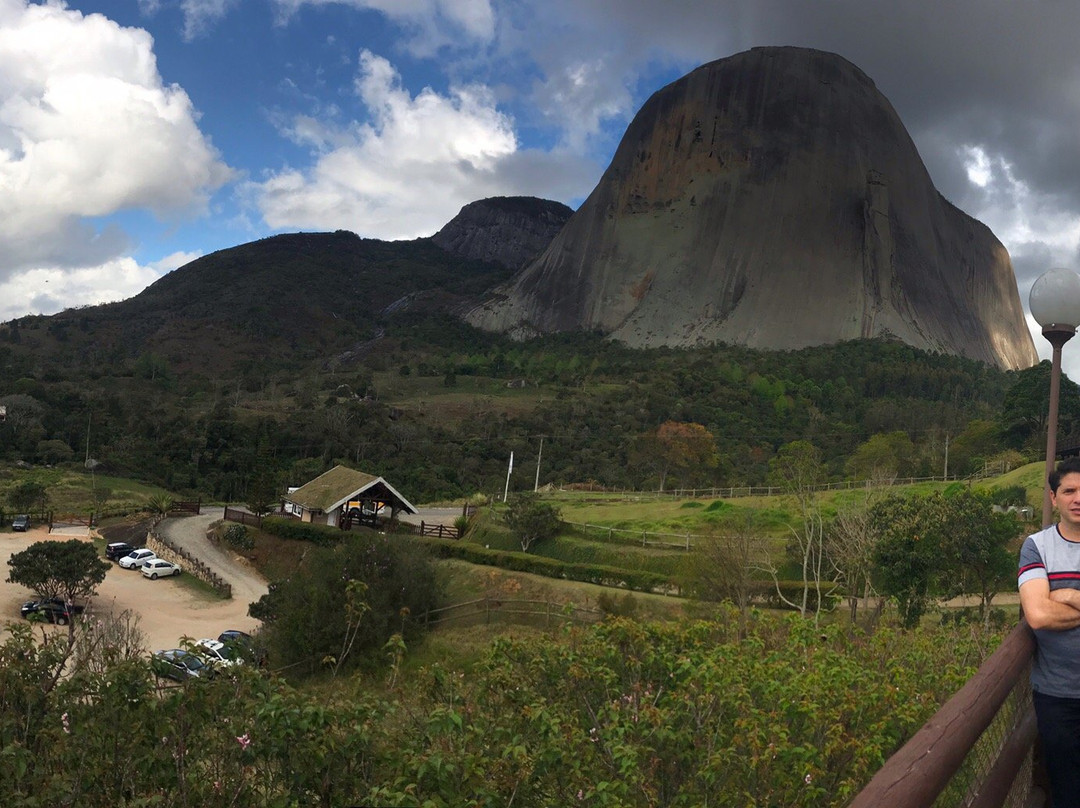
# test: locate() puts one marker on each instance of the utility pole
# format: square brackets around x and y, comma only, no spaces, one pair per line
[536,485]
[509,469]
[946,477]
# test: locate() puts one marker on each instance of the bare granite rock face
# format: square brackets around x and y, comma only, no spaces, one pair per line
[507,230]
[771,199]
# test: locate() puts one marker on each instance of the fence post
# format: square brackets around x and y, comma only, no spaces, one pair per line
[421,527]
[688,541]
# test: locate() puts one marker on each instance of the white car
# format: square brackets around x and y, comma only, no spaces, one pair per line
[155,568]
[219,654]
[136,558]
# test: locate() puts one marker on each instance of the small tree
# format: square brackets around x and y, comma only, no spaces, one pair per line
[905,556]
[27,495]
[851,539]
[531,520]
[798,469]
[69,570]
[676,446]
[722,564]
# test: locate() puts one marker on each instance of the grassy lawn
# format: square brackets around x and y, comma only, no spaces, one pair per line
[70,489]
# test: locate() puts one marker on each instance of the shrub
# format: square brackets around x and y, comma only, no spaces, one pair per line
[237,536]
[344,603]
[1009,495]
[614,606]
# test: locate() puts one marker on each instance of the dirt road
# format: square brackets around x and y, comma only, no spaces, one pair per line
[167,608]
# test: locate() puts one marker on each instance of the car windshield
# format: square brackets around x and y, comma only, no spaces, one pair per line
[192,662]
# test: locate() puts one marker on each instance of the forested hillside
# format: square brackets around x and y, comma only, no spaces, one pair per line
[437,407]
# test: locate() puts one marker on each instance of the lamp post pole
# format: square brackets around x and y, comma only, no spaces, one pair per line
[1057,337]
[1055,304]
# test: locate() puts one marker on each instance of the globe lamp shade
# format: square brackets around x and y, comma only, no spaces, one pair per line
[1055,299]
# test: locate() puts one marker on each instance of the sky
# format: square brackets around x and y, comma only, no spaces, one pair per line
[138,135]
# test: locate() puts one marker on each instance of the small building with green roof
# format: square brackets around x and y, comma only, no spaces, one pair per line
[343,495]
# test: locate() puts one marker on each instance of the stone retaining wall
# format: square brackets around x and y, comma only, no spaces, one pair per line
[163,548]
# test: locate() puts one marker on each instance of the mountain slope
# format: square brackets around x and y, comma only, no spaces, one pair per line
[772,199]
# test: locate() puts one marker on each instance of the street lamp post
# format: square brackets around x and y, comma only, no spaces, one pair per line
[1055,304]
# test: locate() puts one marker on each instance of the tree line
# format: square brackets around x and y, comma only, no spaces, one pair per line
[599,408]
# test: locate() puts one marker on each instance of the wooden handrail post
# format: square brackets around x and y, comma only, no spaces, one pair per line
[920,770]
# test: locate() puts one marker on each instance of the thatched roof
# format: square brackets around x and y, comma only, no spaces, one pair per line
[340,485]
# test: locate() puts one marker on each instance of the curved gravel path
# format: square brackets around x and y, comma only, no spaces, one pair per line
[189,532]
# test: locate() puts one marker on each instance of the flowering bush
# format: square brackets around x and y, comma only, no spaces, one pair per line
[620,714]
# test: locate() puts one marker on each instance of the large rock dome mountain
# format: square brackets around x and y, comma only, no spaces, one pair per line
[771,199]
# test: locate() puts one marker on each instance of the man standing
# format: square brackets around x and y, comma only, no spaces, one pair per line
[1049,582]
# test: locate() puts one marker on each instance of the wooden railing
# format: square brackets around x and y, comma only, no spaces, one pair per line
[511,610]
[955,754]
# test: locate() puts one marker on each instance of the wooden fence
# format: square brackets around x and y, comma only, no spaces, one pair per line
[422,529]
[186,507]
[243,517]
[976,750]
[737,491]
[531,612]
[71,519]
[685,541]
[439,531]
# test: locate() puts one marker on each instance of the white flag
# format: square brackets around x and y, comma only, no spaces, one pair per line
[511,469]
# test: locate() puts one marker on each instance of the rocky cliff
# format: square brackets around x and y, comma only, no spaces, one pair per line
[771,199]
[507,230]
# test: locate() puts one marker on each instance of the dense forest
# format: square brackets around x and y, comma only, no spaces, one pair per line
[438,407]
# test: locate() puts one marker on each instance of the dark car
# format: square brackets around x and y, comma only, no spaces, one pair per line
[178,664]
[117,550]
[246,646]
[21,522]
[54,610]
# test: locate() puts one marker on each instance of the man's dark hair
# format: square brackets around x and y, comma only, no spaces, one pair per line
[1070,465]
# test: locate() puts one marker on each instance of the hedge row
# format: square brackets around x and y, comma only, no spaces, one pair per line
[322,535]
[638,580]
[763,593]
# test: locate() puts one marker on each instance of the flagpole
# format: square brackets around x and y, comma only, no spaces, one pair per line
[510,468]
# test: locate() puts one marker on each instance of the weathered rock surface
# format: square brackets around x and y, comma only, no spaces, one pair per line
[771,199]
[507,230]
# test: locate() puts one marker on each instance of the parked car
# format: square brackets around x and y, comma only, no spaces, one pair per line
[155,568]
[21,522]
[178,664]
[54,610]
[220,654]
[247,646]
[136,558]
[117,550]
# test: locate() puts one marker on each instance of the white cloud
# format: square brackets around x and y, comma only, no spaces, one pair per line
[200,15]
[87,129]
[410,169]
[49,290]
